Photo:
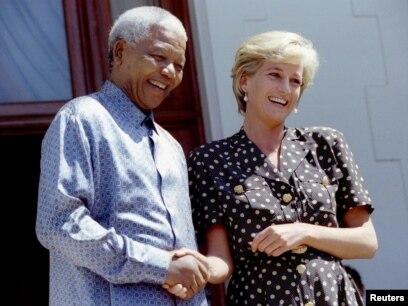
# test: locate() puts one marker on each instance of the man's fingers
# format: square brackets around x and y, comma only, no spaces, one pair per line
[204,274]
[194,285]
[178,290]
[200,257]
[181,252]
[190,273]
[166,286]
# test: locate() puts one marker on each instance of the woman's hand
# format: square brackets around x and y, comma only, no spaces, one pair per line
[357,239]
[278,239]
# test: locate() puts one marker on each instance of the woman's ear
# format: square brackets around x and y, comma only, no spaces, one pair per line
[243,82]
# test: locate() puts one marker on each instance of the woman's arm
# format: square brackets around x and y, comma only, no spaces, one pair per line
[356,240]
[219,254]
[218,260]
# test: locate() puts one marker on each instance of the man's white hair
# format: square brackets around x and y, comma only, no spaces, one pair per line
[134,24]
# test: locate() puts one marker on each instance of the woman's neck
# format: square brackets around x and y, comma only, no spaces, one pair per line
[268,139]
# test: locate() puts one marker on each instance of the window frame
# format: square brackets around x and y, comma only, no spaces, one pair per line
[87,24]
[88,67]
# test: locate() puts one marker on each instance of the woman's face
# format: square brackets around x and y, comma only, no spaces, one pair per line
[273,92]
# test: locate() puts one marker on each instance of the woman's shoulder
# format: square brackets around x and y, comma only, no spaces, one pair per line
[218,147]
[330,134]
[210,147]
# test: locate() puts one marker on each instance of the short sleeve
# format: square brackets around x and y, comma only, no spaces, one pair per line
[204,200]
[352,191]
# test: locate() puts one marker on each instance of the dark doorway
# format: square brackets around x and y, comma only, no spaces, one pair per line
[28,260]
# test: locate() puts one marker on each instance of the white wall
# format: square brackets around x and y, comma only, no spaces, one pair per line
[361,89]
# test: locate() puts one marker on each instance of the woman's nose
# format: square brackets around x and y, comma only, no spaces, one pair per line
[285,85]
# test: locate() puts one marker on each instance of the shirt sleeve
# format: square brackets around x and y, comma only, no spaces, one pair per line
[352,191]
[64,223]
[206,209]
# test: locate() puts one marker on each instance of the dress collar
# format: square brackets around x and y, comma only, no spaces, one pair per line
[294,141]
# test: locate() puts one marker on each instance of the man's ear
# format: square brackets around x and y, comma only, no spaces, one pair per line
[117,51]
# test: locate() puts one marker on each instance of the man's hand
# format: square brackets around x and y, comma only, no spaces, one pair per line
[188,273]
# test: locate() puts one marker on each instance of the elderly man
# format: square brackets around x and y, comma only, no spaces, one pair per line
[113,201]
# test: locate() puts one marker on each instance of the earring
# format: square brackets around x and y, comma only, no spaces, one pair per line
[245,98]
[295,110]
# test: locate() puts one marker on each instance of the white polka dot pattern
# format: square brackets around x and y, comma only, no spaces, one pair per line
[233,183]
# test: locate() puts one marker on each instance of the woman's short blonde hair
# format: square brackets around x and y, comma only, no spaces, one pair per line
[275,46]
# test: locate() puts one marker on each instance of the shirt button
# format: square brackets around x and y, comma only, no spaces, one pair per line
[300,249]
[287,197]
[309,304]
[239,189]
[301,269]
[325,181]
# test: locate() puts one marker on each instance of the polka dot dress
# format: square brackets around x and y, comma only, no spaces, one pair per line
[233,183]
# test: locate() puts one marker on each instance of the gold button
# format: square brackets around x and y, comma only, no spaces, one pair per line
[287,197]
[239,189]
[309,304]
[300,249]
[326,181]
[301,269]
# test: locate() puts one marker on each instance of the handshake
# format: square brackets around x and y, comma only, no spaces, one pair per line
[189,272]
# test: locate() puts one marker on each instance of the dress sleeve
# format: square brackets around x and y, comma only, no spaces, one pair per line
[352,191]
[206,209]
[65,225]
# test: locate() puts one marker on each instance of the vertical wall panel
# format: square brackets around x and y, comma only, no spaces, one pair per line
[360,89]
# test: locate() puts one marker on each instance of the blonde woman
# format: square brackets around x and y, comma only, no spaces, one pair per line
[279,207]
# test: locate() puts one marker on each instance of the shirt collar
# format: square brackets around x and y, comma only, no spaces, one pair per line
[148,121]
[119,103]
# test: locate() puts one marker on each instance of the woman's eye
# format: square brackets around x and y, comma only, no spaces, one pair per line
[297,82]
[274,75]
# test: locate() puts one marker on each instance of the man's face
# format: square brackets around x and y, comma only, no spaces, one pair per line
[147,71]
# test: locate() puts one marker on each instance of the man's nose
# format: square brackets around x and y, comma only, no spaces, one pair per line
[169,70]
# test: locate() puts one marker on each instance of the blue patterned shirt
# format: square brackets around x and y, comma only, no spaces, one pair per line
[113,200]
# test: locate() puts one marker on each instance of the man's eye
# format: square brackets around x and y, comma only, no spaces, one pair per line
[157,57]
[179,67]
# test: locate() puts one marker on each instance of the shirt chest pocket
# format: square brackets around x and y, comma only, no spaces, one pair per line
[309,172]
[256,193]
[319,186]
